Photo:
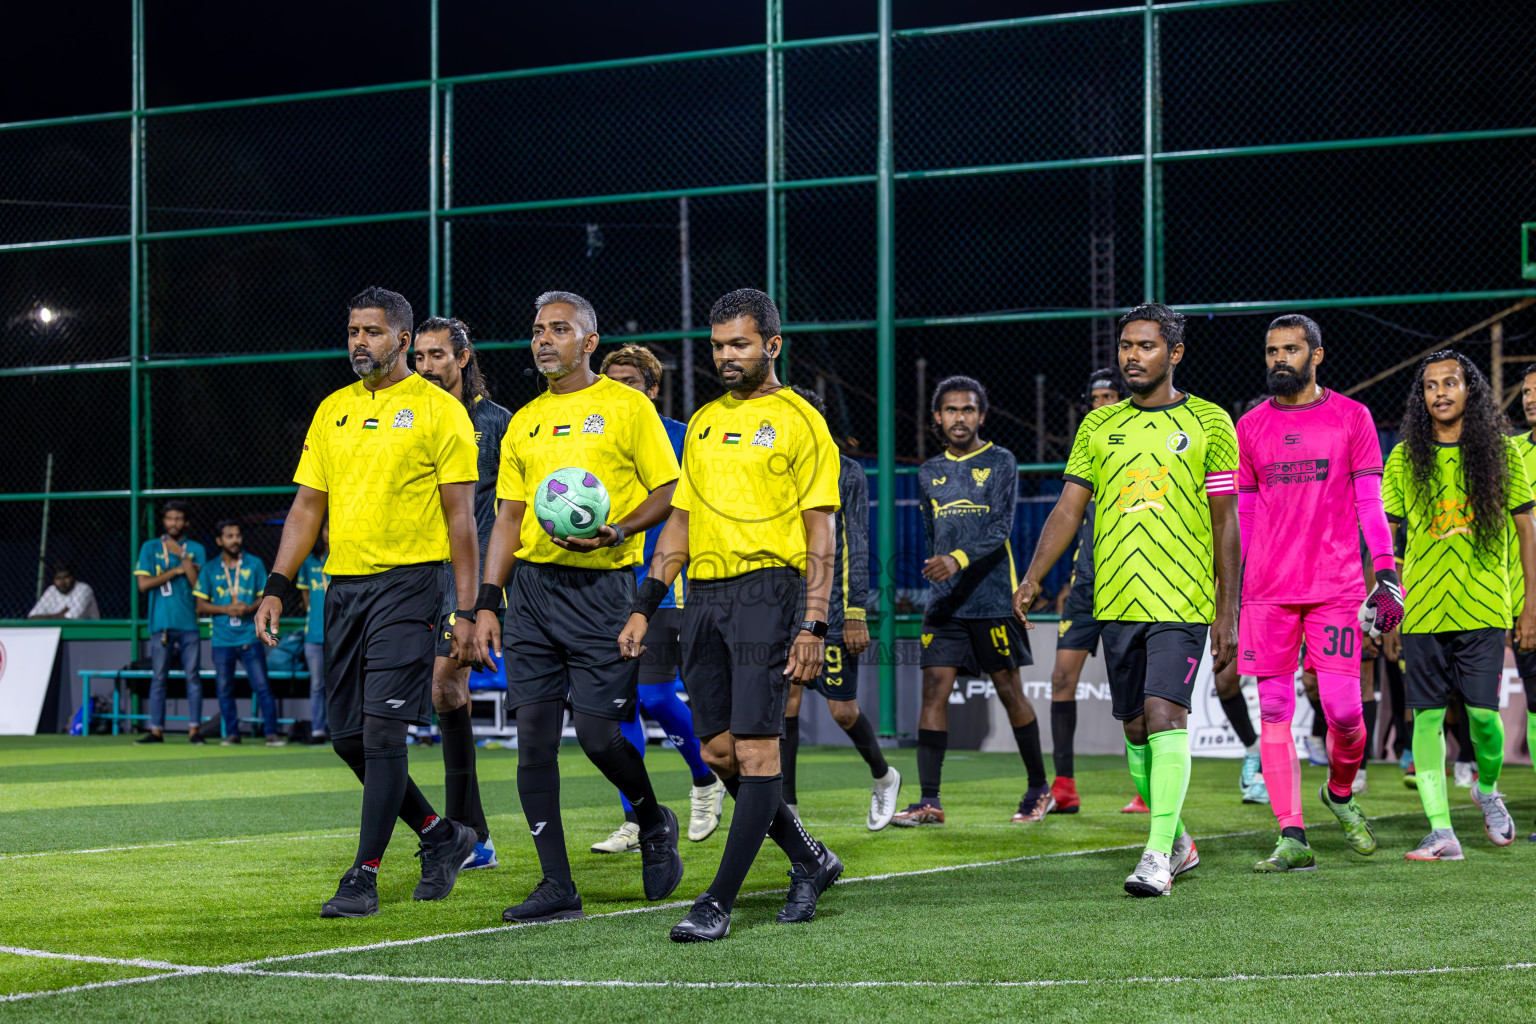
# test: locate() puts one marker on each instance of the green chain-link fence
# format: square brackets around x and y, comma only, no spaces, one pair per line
[972,198]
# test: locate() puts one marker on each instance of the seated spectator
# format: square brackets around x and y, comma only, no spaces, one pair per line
[313,583]
[228,589]
[165,571]
[66,599]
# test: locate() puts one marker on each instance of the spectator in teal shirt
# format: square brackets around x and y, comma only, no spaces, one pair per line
[229,589]
[313,582]
[166,571]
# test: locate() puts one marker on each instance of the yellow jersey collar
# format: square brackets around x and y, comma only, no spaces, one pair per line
[961,458]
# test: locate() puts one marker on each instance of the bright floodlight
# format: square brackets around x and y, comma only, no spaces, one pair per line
[45,315]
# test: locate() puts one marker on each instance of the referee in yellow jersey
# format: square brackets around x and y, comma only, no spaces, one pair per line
[568,597]
[753,517]
[393,459]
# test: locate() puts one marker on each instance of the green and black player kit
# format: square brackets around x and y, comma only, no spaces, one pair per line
[1079,629]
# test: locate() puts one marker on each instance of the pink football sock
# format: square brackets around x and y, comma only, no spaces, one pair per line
[1277,748]
[1340,694]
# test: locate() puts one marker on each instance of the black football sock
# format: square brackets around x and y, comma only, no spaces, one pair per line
[862,733]
[538,785]
[1463,732]
[621,764]
[1236,707]
[414,806]
[931,744]
[732,784]
[1028,739]
[1293,832]
[789,749]
[1063,730]
[462,794]
[1369,710]
[758,799]
[1319,719]
[385,776]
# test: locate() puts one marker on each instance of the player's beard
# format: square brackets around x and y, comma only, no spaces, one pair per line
[369,369]
[1146,385]
[1285,382]
[560,369]
[752,377]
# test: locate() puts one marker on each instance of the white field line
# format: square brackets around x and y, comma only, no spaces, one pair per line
[162,846]
[1032,983]
[15,996]
[157,965]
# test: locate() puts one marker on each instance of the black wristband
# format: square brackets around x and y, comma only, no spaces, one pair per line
[489,599]
[652,593]
[618,534]
[278,586]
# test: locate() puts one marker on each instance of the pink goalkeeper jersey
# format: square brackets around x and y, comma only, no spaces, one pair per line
[1302,460]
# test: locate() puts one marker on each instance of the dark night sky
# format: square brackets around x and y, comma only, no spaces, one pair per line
[199,51]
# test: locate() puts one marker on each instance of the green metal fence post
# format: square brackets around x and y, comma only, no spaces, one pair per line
[135,216]
[885,360]
[1148,168]
[1159,235]
[446,285]
[434,280]
[777,196]
[771,145]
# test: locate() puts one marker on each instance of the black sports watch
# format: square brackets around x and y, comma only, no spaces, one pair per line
[815,627]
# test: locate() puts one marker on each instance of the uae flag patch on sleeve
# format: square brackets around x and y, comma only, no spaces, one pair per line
[370,424]
[730,439]
[562,430]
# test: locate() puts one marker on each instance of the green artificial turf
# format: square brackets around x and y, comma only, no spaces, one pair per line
[234,850]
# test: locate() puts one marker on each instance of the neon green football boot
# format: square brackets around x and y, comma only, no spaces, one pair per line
[1290,855]
[1357,830]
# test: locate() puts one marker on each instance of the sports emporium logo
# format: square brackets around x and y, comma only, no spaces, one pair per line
[1302,471]
[1178,442]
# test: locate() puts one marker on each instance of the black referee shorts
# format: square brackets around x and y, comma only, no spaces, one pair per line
[1471,663]
[663,657]
[736,636]
[561,639]
[379,638]
[975,646]
[1151,659]
[1079,630]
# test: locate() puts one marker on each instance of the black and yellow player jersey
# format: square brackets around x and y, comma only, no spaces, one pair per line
[968,504]
[750,468]
[609,430]
[1152,472]
[380,456]
[1526,446]
[490,422]
[850,558]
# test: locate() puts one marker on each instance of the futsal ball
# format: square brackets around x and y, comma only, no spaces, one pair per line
[571,502]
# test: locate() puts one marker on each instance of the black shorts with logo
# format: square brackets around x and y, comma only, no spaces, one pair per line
[975,646]
[735,636]
[839,679]
[1151,659]
[450,606]
[663,655]
[379,638]
[1079,630]
[561,639]
[1471,663]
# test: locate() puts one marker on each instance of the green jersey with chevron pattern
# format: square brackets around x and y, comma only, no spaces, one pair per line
[1451,585]
[1527,449]
[1152,472]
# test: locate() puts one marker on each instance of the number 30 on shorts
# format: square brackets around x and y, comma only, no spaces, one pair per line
[1341,642]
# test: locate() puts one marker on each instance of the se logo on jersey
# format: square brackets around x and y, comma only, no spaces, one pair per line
[1143,488]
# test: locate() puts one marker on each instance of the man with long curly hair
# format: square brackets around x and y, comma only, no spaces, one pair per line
[1460,486]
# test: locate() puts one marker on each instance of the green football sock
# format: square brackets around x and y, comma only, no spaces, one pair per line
[1487,730]
[1429,764]
[1170,780]
[1139,757]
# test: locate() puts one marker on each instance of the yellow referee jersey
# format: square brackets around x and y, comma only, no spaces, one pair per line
[749,469]
[609,430]
[380,456]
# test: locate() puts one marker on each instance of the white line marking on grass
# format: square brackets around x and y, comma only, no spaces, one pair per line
[1030,983]
[158,965]
[14,996]
[162,846]
[391,943]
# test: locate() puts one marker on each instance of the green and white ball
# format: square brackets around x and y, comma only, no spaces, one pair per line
[571,502]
